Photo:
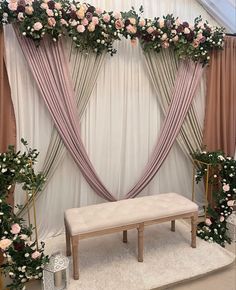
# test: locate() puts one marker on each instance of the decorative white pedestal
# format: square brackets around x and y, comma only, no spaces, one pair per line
[231,225]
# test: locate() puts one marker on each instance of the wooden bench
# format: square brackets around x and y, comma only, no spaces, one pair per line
[123,215]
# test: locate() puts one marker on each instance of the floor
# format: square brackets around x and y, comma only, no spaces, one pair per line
[224,279]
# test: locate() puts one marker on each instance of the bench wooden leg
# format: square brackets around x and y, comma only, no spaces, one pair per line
[125,238]
[68,246]
[173,226]
[194,220]
[75,244]
[140,242]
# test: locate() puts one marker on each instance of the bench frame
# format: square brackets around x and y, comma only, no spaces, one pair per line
[74,240]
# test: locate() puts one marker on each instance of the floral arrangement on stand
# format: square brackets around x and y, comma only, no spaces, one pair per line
[223,181]
[93,29]
[23,258]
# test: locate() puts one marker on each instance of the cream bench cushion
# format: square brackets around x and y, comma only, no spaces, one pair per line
[123,215]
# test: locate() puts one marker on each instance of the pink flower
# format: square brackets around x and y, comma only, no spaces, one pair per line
[161,23]
[29,10]
[64,22]
[165,44]
[85,22]
[208,222]
[51,21]
[99,11]
[5,243]
[91,27]
[176,38]
[15,229]
[142,22]
[49,12]
[37,26]
[95,20]
[29,2]
[73,7]
[150,30]
[132,20]
[226,187]
[117,15]
[164,36]
[230,202]
[80,28]
[119,24]
[106,17]
[186,30]
[222,219]
[131,29]
[23,237]
[35,255]
[195,43]
[13,6]
[58,6]
[44,6]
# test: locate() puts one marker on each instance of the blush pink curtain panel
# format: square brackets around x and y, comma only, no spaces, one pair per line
[49,67]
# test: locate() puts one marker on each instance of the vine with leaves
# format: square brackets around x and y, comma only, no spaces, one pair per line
[223,183]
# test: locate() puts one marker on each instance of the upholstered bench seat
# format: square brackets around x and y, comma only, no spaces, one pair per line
[123,215]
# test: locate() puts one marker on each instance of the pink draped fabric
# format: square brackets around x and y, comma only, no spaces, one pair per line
[49,67]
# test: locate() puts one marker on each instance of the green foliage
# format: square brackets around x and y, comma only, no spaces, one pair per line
[22,260]
[222,178]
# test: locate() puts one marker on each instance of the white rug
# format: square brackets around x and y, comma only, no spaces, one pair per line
[106,263]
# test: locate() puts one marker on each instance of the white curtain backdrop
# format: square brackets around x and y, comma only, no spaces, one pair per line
[119,128]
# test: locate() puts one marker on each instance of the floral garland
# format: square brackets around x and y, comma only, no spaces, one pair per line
[223,181]
[23,260]
[93,29]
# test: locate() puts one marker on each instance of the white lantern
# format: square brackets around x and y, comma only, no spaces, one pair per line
[56,273]
[231,225]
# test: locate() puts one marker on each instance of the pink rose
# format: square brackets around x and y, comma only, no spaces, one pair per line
[132,21]
[49,12]
[226,187]
[5,243]
[99,11]
[117,15]
[58,6]
[186,30]
[95,20]
[51,21]
[37,26]
[29,10]
[165,44]
[222,219]
[73,22]
[73,7]
[161,23]
[44,6]
[106,17]
[13,6]
[131,29]
[142,22]
[119,24]
[35,255]
[23,237]
[208,222]
[176,38]
[80,28]
[15,229]
[91,27]
[84,22]
[178,22]
[230,202]
[195,43]
[164,36]
[150,30]
[64,22]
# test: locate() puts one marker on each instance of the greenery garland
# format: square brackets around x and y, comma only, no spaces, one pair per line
[93,29]
[23,261]
[223,181]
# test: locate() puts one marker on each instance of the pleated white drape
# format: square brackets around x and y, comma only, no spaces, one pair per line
[119,127]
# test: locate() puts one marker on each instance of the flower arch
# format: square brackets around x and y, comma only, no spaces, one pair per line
[93,29]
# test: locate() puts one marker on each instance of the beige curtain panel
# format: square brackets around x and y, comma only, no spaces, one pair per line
[220,115]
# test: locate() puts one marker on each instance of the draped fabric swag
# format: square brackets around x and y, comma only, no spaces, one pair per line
[61,105]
